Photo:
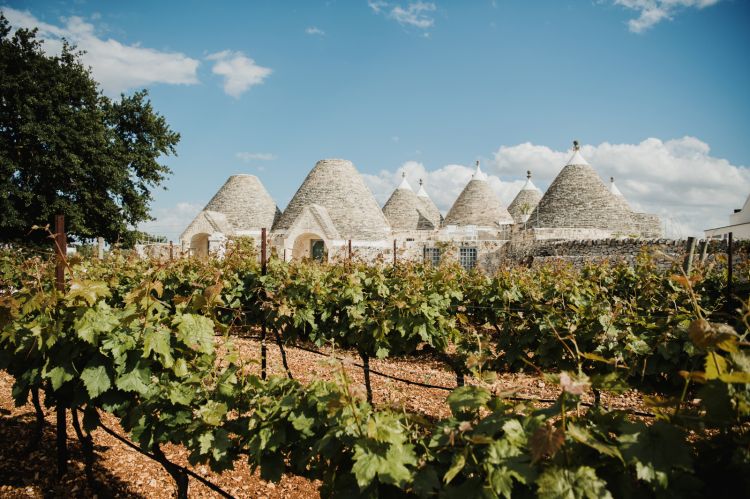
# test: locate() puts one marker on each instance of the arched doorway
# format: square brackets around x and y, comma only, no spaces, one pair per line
[199,245]
[310,245]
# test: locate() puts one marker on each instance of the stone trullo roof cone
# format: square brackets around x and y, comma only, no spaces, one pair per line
[429,208]
[478,205]
[241,206]
[335,184]
[404,211]
[246,203]
[578,198]
[525,201]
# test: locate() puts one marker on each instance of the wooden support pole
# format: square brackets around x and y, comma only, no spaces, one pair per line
[394,252]
[171,251]
[366,368]
[350,250]
[263,270]
[61,248]
[730,291]
[704,251]
[687,264]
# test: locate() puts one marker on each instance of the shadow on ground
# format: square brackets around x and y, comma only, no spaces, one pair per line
[33,473]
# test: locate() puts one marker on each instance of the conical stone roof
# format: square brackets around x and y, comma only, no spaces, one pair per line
[336,185]
[619,198]
[578,198]
[478,205]
[429,208]
[245,202]
[525,201]
[404,210]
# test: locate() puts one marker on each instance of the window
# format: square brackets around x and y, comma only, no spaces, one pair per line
[432,255]
[468,258]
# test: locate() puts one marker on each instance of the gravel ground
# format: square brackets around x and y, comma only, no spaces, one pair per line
[124,472]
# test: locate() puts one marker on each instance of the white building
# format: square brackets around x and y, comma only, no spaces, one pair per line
[739,224]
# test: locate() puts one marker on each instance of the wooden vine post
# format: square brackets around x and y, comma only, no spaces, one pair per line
[687,264]
[263,270]
[730,292]
[61,248]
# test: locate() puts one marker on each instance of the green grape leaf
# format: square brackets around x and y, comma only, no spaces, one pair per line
[715,365]
[458,463]
[575,483]
[585,437]
[213,412]
[58,376]
[94,321]
[197,332]
[136,380]
[96,380]
[157,341]
[89,291]
[466,399]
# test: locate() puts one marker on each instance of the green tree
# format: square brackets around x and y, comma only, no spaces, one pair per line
[66,148]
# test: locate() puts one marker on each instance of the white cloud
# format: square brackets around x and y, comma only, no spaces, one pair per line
[314,30]
[171,221]
[652,12]
[116,66]
[247,157]
[415,14]
[443,185]
[239,71]
[677,179]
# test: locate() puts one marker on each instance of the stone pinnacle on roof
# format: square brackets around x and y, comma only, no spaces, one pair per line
[578,198]
[525,201]
[336,185]
[430,210]
[478,205]
[245,202]
[576,158]
[404,183]
[405,211]
[478,173]
[613,188]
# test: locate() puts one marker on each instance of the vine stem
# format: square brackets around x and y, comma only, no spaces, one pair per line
[88,448]
[181,479]
[283,353]
[62,440]
[366,368]
[36,436]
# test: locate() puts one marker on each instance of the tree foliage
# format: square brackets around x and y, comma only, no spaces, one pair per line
[66,148]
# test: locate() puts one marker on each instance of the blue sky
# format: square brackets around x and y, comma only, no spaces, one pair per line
[656,89]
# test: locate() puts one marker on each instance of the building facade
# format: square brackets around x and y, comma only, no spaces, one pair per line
[334,215]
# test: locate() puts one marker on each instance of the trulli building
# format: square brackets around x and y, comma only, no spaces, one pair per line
[577,205]
[333,209]
[332,206]
[525,201]
[477,209]
[242,207]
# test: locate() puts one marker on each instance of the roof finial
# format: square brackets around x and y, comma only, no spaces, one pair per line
[403,174]
[477,163]
[528,174]
[420,182]
[576,145]
[612,180]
